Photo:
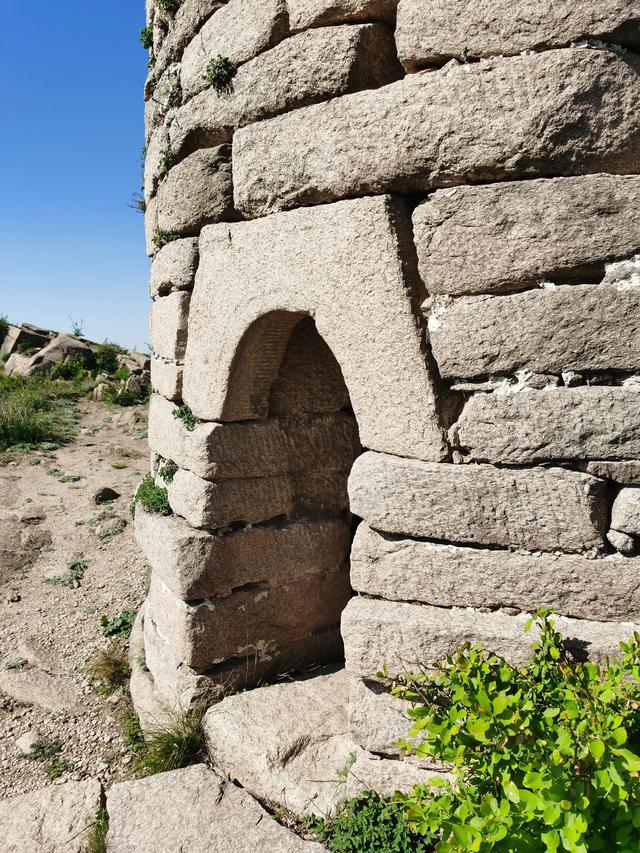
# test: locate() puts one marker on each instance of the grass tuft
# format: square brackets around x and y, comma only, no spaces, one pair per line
[111,668]
[177,745]
[98,835]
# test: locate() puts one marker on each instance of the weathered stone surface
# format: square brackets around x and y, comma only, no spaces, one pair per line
[56,819]
[480,503]
[510,117]
[320,13]
[350,266]
[605,589]
[166,378]
[186,23]
[169,320]
[174,267]
[376,718]
[386,775]
[286,743]
[623,543]
[166,94]
[195,564]
[151,226]
[511,236]
[193,809]
[239,31]
[24,336]
[587,327]
[626,473]
[61,349]
[196,192]
[625,515]
[559,423]
[406,637]
[147,702]
[154,160]
[301,70]
[253,621]
[326,442]
[220,503]
[431,31]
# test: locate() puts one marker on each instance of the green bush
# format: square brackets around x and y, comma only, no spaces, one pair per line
[120,626]
[146,37]
[546,756]
[220,73]
[4,327]
[72,368]
[153,498]
[107,357]
[369,823]
[183,413]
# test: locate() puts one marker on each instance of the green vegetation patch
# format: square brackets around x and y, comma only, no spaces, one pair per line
[153,498]
[111,668]
[179,744]
[119,626]
[220,72]
[183,413]
[73,576]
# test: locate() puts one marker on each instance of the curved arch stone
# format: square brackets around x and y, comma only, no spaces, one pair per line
[349,265]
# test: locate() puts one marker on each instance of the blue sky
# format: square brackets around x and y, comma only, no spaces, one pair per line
[71,133]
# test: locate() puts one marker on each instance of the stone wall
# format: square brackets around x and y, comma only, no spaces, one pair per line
[396,273]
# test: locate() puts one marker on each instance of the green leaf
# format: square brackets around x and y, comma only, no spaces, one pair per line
[597,748]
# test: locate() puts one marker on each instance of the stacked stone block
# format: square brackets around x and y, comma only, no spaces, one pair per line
[408,233]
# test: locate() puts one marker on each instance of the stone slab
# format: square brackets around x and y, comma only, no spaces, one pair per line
[174,267]
[166,378]
[587,327]
[196,192]
[324,442]
[301,70]
[169,320]
[512,236]
[195,564]
[320,13]
[558,423]
[536,508]
[56,819]
[606,589]
[193,809]
[376,719]
[221,503]
[626,473]
[491,121]
[350,266]
[387,775]
[429,32]
[239,31]
[407,637]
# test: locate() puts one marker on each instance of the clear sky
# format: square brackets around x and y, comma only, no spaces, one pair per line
[71,133]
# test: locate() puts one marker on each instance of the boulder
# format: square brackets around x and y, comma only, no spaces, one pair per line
[623,543]
[542,426]
[480,504]
[413,637]
[305,69]
[174,267]
[429,32]
[196,564]
[57,819]
[193,809]
[196,192]
[491,121]
[277,446]
[61,349]
[376,718]
[514,235]
[169,324]
[321,13]
[603,589]
[590,327]
[19,337]
[625,515]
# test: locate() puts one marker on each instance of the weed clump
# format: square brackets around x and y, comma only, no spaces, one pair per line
[179,744]
[72,577]
[183,413]
[169,7]
[111,668]
[146,37]
[47,752]
[153,498]
[98,833]
[167,470]
[119,626]
[220,73]
[162,237]
[167,159]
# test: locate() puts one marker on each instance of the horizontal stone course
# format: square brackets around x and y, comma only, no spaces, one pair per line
[586,327]
[626,473]
[350,266]
[536,508]
[423,132]
[625,515]
[169,320]
[239,31]
[301,70]
[408,637]
[174,267]
[260,449]
[196,192]
[221,503]
[319,13]
[249,623]
[431,31]
[554,424]
[605,589]
[196,564]
[511,236]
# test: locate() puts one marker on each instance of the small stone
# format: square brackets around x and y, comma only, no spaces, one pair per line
[26,743]
[622,542]
[105,494]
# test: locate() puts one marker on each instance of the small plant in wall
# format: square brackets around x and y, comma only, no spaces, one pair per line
[146,37]
[169,7]
[167,159]
[153,498]
[162,237]
[167,470]
[220,73]
[183,413]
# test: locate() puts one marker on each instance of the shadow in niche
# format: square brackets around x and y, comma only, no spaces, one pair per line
[284,371]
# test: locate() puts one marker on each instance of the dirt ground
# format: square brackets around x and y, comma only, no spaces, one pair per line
[49,632]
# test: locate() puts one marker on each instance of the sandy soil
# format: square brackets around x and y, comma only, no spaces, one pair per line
[48,633]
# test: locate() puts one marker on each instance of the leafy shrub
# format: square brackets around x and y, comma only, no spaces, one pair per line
[4,327]
[132,734]
[153,498]
[146,37]
[72,368]
[183,413]
[167,471]
[119,626]
[546,756]
[107,357]
[369,823]
[220,73]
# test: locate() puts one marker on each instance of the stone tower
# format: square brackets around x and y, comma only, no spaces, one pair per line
[396,308]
